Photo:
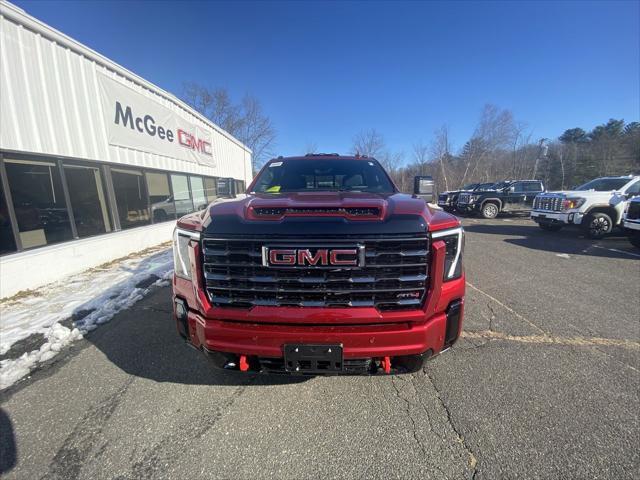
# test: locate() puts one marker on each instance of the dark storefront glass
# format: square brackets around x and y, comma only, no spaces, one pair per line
[210,188]
[181,194]
[88,200]
[197,191]
[162,206]
[131,198]
[7,243]
[38,200]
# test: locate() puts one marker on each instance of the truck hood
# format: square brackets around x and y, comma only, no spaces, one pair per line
[319,213]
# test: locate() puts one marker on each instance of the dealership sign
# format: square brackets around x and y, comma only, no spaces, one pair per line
[136,121]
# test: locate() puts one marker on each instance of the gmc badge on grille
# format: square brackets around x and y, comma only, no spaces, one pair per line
[313,257]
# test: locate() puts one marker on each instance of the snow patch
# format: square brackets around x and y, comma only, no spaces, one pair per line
[563,255]
[103,292]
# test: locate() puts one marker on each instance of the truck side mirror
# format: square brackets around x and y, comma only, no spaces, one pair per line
[423,187]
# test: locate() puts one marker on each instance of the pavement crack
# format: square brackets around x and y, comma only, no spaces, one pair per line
[472,459]
[492,316]
[414,427]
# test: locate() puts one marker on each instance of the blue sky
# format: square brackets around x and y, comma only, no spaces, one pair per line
[325,71]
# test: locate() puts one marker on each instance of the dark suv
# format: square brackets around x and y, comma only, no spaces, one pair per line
[512,196]
[448,200]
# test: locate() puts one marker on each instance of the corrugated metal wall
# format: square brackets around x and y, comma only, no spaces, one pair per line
[50,103]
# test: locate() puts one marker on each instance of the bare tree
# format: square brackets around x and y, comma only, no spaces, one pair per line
[245,121]
[441,149]
[311,147]
[421,157]
[369,143]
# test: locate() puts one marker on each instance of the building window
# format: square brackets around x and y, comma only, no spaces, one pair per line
[131,197]
[7,242]
[38,201]
[181,194]
[88,200]
[162,206]
[210,189]
[197,190]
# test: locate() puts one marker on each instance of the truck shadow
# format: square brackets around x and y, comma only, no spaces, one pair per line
[566,241]
[142,341]
[8,451]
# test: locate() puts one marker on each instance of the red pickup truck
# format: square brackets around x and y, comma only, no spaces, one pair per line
[324,267]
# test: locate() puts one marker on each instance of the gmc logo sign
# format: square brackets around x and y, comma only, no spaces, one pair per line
[314,257]
[187,140]
[147,124]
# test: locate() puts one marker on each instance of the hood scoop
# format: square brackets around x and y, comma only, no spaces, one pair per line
[351,213]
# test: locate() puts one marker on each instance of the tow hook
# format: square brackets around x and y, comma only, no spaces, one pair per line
[385,363]
[244,365]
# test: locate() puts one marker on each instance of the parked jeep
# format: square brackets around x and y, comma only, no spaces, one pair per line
[449,200]
[512,196]
[588,206]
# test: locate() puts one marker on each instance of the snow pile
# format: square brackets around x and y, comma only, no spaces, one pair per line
[89,299]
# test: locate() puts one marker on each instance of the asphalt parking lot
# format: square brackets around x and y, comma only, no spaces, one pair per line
[545,383]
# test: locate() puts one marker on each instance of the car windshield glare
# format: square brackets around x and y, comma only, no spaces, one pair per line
[311,175]
[604,184]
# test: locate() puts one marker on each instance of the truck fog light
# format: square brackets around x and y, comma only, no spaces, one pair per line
[181,316]
[181,310]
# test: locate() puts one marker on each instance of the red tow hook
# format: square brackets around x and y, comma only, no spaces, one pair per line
[385,363]
[244,365]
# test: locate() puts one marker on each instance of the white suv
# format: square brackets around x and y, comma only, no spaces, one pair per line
[631,220]
[587,205]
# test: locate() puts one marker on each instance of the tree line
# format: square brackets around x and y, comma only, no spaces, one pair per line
[500,147]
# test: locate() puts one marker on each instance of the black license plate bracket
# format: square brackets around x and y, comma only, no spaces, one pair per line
[307,358]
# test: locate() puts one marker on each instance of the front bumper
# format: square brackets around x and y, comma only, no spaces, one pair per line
[407,344]
[466,207]
[566,218]
[632,225]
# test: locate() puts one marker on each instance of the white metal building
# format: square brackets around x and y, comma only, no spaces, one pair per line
[95,162]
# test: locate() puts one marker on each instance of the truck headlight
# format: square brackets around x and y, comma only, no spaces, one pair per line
[181,262]
[454,243]
[573,203]
[474,198]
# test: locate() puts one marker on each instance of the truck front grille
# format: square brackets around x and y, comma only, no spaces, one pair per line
[443,197]
[634,211]
[464,198]
[394,275]
[553,204]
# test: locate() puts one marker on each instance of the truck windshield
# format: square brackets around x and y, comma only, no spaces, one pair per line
[471,186]
[484,186]
[310,175]
[604,184]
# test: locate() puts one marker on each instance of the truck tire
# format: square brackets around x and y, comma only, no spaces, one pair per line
[489,210]
[550,227]
[160,216]
[598,225]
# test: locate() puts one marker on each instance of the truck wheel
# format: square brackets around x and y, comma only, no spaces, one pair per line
[598,225]
[160,215]
[550,227]
[489,210]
